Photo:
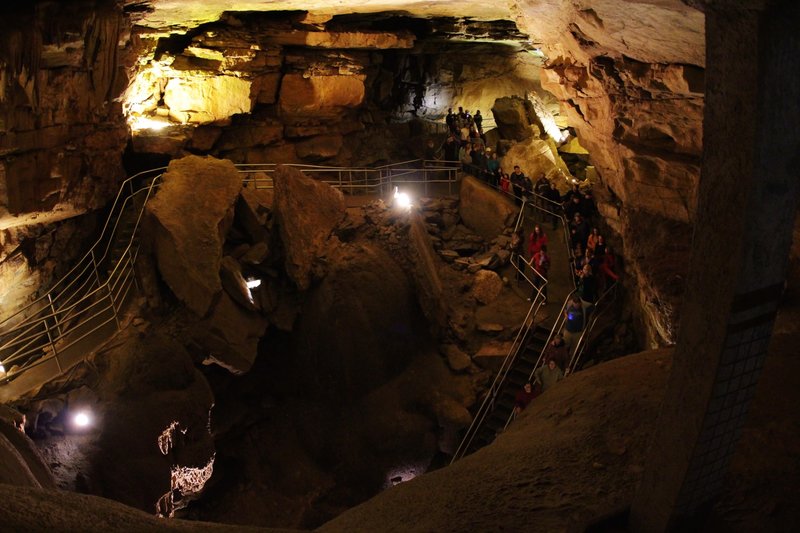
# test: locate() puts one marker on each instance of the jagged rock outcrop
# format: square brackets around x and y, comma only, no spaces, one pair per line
[191,215]
[537,156]
[306,212]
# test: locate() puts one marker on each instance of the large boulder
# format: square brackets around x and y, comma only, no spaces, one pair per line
[539,156]
[306,211]
[20,462]
[485,210]
[514,117]
[191,215]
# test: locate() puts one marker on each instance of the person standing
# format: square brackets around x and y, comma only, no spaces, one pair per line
[517,248]
[554,204]
[493,167]
[541,265]
[548,375]
[478,119]
[518,180]
[573,322]
[450,120]
[536,240]
[451,149]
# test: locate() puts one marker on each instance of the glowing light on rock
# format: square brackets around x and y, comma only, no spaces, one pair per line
[165,440]
[401,199]
[253,283]
[82,420]
[146,123]
[403,473]
[185,481]
[547,119]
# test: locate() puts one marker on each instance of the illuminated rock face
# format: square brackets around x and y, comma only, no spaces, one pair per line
[301,95]
[200,100]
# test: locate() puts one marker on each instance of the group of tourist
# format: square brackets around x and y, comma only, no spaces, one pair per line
[594,266]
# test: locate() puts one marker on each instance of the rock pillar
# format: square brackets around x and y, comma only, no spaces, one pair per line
[747,200]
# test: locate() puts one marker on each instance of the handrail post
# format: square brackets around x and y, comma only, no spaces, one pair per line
[52,345]
[55,315]
[113,306]
[94,267]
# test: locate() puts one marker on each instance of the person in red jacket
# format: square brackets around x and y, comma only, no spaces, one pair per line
[536,240]
[524,397]
[541,264]
[608,267]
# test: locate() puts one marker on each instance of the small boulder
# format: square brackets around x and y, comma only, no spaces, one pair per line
[231,335]
[256,255]
[458,360]
[486,286]
[450,413]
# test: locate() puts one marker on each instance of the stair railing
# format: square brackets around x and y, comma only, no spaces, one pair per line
[601,306]
[85,300]
[488,403]
[487,406]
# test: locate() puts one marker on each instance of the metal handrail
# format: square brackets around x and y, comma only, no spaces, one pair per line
[48,325]
[487,405]
[559,323]
[607,297]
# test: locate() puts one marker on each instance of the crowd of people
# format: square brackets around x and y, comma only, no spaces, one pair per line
[593,265]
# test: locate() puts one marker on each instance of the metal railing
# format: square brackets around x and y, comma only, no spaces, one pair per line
[364,180]
[520,341]
[91,295]
[600,307]
[557,325]
[552,208]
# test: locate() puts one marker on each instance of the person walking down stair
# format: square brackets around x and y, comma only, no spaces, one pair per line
[548,375]
[525,397]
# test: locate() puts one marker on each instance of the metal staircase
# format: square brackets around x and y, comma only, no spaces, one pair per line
[496,411]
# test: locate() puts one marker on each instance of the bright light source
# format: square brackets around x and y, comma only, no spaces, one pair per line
[401,199]
[82,419]
[253,283]
[147,123]
[2,369]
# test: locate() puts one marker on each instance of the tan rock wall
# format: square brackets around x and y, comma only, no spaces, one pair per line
[485,212]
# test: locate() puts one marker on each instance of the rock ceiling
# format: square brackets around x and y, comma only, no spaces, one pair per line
[656,31]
